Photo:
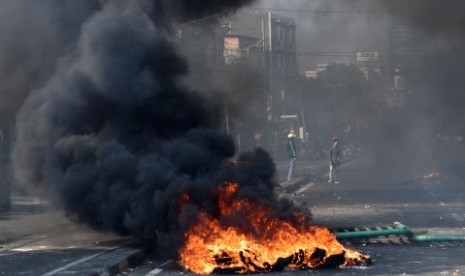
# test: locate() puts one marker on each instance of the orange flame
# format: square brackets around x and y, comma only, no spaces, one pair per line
[261,243]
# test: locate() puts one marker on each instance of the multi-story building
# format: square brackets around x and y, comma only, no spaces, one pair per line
[273,38]
[5,177]
[262,40]
[275,43]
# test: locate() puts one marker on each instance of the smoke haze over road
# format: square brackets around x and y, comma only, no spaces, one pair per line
[96,92]
[117,138]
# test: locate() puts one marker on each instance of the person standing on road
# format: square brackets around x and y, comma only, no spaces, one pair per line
[292,154]
[335,157]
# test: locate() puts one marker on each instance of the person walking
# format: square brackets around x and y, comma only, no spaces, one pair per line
[335,157]
[292,151]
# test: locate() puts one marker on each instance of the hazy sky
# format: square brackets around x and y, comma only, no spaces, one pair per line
[331,30]
[341,26]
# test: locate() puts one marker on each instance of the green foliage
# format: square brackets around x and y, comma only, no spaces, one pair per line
[335,96]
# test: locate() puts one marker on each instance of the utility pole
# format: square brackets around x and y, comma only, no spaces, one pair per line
[270,69]
[5,171]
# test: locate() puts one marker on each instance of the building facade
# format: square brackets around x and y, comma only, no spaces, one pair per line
[272,37]
[263,41]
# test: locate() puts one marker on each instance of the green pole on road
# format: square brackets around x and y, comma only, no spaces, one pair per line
[368,232]
[436,238]
[397,229]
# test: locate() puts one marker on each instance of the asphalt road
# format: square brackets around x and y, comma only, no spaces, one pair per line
[368,198]
[37,241]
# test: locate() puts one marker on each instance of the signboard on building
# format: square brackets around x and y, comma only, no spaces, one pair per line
[231,43]
[311,74]
[231,49]
[367,56]
[288,116]
[321,67]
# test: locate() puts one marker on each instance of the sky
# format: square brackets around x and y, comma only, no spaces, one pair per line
[332,31]
[341,26]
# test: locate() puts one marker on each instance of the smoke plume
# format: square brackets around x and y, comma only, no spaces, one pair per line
[187,9]
[33,37]
[122,141]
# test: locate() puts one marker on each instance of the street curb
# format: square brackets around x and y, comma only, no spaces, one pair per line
[132,260]
[113,262]
[289,183]
[284,191]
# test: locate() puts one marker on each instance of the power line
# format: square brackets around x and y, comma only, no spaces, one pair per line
[200,20]
[357,12]
[319,11]
[330,53]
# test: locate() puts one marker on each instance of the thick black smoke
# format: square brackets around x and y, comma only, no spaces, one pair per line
[122,142]
[33,37]
[166,13]
[186,9]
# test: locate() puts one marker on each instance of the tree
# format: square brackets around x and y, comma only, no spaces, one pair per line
[334,101]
